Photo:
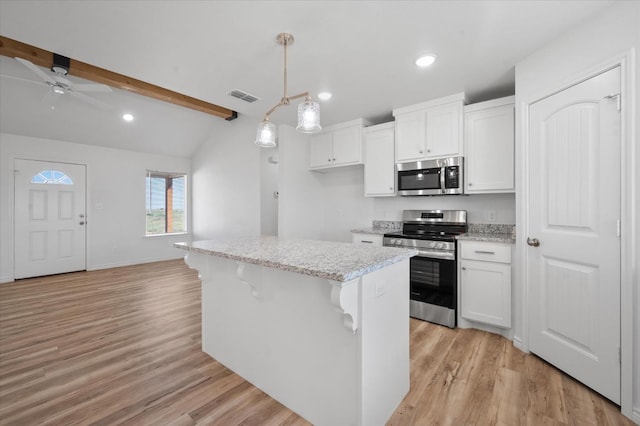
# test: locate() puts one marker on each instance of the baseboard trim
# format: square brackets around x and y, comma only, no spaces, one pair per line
[517,342]
[6,279]
[635,416]
[133,262]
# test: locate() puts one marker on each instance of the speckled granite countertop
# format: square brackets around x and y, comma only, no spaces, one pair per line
[323,259]
[490,238]
[374,231]
[380,227]
[490,233]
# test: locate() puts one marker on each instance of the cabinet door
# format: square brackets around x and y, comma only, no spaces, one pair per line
[489,140]
[444,130]
[347,145]
[485,292]
[410,142]
[320,154]
[379,164]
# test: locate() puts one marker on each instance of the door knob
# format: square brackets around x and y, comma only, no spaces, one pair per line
[533,242]
[82,222]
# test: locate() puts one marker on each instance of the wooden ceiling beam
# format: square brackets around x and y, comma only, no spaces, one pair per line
[44,58]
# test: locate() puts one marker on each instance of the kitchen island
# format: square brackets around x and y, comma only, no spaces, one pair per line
[322,327]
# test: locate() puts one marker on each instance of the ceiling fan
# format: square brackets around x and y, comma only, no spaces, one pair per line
[60,85]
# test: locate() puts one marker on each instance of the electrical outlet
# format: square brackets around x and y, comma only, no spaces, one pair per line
[491,216]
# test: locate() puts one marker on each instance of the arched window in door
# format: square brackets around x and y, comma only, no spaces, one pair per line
[55,177]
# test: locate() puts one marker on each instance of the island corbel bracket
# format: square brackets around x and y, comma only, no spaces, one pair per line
[344,298]
[254,283]
[201,267]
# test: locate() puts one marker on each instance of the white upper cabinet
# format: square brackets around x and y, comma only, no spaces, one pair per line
[430,130]
[338,145]
[320,150]
[379,162]
[489,139]
[410,130]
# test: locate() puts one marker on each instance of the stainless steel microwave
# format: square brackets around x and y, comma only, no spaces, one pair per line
[444,176]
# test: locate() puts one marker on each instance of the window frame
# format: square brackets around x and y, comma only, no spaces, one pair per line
[148,191]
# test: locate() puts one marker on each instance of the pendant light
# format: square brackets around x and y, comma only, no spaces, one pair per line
[308,111]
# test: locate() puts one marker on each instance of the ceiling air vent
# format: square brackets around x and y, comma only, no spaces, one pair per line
[244,96]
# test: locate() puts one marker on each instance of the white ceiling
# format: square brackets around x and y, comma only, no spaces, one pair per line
[361,51]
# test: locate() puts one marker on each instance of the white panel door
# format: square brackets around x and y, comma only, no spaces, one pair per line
[50,218]
[574,211]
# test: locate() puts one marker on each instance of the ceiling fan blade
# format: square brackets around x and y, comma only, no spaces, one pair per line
[25,80]
[90,87]
[34,68]
[89,100]
[50,99]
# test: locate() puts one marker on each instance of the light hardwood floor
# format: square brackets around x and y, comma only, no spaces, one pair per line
[122,346]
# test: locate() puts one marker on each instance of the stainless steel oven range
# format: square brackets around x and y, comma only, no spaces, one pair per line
[433,272]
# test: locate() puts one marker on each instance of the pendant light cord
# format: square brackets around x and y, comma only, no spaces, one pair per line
[284,97]
[285,41]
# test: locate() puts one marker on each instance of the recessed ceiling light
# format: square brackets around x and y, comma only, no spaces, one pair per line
[127,117]
[325,96]
[426,60]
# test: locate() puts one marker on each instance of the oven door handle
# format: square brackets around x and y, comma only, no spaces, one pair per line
[446,255]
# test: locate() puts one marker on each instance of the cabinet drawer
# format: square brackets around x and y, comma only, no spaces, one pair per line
[368,239]
[488,252]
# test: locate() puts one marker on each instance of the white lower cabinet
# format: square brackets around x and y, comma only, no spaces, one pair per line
[368,239]
[485,282]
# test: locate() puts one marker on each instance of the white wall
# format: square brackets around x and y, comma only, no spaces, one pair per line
[324,206]
[115,179]
[226,183]
[268,187]
[329,205]
[477,206]
[583,50]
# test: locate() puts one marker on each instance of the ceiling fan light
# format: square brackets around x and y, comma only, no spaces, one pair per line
[266,134]
[309,117]
[58,90]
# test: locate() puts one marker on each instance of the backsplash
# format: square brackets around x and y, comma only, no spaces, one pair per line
[490,228]
[387,224]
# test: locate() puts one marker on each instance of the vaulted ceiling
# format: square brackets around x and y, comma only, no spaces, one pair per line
[361,51]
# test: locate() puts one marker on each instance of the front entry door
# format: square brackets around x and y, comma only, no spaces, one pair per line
[50,218]
[574,213]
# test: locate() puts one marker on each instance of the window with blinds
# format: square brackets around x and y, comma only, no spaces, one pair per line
[166,203]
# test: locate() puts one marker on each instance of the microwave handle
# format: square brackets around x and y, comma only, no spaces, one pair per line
[443,174]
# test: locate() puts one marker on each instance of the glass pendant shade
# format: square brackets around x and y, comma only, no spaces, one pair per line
[266,134]
[308,117]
